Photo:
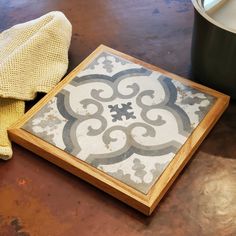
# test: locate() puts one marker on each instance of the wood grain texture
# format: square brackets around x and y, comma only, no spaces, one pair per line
[144,203]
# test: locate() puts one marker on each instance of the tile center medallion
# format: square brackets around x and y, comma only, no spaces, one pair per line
[122,111]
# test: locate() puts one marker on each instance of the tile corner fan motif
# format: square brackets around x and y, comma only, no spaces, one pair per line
[122,118]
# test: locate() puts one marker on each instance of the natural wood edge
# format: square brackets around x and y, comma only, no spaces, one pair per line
[177,164]
[189,148]
[144,203]
[81,169]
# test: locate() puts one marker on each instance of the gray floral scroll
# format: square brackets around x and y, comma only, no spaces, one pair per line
[122,118]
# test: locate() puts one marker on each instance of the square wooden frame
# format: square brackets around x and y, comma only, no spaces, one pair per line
[144,203]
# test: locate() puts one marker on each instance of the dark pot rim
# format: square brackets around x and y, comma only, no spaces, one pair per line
[198,5]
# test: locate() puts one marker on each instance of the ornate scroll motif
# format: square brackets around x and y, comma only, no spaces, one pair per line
[121,118]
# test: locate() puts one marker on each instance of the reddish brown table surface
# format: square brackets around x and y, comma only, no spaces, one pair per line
[38,198]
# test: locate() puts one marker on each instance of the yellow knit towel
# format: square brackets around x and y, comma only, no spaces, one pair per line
[33,58]
[10,111]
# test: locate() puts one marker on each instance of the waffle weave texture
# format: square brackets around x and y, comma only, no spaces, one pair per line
[33,58]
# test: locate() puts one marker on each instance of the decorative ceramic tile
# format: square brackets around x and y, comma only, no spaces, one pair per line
[122,118]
